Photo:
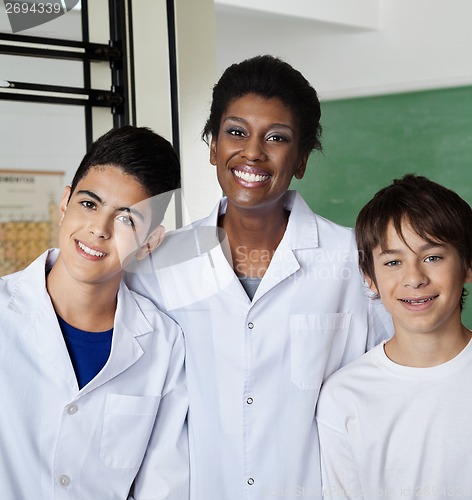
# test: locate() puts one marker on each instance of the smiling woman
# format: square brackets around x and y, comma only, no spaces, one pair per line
[257,154]
[268,293]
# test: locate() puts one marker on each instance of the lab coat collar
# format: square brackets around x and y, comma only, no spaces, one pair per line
[302,229]
[301,233]
[130,323]
[201,253]
[204,237]
[30,286]
[30,300]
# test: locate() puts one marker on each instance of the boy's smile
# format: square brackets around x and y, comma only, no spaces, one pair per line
[101,225]
[90,251]
[420,283]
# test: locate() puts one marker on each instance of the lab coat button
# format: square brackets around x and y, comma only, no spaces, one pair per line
[72,409]
[64,480]
[250,481]
[250,326]
[249,401]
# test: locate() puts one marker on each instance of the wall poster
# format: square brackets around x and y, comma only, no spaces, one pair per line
[29,216]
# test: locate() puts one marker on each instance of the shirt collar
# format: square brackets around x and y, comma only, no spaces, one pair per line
[33,280]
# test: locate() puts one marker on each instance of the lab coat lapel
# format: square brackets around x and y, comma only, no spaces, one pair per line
[284,263]
[31,302]
[201,254]
[130,323]
[301,234]
[43,331]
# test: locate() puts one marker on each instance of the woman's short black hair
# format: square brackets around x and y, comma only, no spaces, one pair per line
[268,77]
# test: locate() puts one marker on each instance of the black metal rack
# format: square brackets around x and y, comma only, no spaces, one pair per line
[117,99]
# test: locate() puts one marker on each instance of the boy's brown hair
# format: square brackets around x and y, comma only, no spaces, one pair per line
[436,213]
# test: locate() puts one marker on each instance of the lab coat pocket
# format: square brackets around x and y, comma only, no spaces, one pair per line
[127,427]
[317,343]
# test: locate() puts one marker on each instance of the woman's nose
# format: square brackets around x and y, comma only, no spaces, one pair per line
[253,149]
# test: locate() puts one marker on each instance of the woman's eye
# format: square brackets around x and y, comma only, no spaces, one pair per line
[433,258]
[392,263]
[235,131]
[277,138]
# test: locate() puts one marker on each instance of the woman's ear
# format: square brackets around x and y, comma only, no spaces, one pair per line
[152,242]
[213,150]
[468,276]
[64,203]
[300,171]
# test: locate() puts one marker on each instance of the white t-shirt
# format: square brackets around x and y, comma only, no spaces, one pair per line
[254,368]
[392,431]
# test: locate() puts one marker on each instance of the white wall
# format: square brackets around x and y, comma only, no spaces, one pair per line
[420,44]
[37,136]
[52,137]
[196,70]
[357,13]
[406,45]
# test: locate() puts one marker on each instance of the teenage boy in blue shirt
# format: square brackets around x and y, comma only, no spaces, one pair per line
[94,401]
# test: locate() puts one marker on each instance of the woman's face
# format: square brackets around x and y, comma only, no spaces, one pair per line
[257,152]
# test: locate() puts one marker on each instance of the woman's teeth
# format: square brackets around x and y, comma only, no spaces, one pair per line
[246,176]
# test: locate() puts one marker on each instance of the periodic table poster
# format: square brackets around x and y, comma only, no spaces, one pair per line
[29,216]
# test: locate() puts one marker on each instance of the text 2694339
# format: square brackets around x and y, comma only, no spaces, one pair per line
[33,8]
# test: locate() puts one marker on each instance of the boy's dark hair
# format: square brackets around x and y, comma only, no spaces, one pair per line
[436,213]
[268,76]
[140,153]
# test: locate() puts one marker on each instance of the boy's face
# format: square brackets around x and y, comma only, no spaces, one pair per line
[419,283]
[105,221]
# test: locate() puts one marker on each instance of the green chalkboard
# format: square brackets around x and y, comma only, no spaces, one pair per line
[370,141]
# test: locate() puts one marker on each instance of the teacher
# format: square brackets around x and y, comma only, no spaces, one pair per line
[268,294]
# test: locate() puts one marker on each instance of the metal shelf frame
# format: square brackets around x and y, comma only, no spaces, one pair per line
[115,53]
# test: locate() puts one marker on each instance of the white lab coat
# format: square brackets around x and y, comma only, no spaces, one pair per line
[57,442]
[254,368]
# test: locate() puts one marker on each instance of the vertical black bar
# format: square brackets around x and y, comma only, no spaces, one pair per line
[132,81]
[173,75]
[119,73]
[174,97]
[87,78]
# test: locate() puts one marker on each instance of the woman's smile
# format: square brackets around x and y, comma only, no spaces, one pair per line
[257,151]
[251,176]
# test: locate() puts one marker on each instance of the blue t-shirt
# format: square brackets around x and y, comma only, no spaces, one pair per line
[88,351]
